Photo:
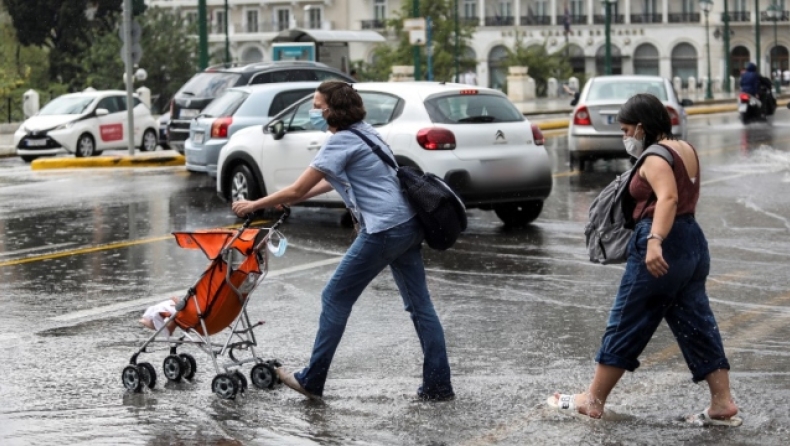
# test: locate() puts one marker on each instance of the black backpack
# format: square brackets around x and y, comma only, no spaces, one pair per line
[440,211]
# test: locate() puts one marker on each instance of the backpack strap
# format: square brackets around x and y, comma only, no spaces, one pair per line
[376,148]
[627,203]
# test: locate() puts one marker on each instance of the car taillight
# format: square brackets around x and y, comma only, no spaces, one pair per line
[674,117]
[219,129]
[436,139]
[537,136]
[582,116]
[744,97]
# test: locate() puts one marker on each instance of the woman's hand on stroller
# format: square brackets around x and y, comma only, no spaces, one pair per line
[243,208]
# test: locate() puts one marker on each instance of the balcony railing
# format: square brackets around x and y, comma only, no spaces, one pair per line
[684,17]
[646,18]
[500,21]
[535,20]
[374,24]
[784,17]
[470,21]
[738,16]
[600,19]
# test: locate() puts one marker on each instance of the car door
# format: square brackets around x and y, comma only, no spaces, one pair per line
[111,128]
[290,156]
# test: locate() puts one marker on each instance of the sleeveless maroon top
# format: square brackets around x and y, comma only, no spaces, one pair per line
[688,191]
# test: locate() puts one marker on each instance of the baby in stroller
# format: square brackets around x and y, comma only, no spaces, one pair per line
[156,315]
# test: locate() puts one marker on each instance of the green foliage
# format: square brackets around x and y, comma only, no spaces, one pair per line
[542,65]
[443,36]
[138,7]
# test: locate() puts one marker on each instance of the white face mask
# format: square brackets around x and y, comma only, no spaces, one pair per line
[633,146]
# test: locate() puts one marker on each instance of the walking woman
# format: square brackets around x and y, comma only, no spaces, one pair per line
[668,264]
[389,235]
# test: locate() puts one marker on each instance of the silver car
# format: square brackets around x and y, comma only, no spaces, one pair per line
[594,131]
[237,108]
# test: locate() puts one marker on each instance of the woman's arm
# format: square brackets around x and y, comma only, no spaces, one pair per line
[307,183]
[658,173]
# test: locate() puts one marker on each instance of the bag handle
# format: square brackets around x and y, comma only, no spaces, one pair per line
[376,148]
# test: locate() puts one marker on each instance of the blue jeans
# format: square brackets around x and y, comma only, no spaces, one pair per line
[678,296]
[400,249]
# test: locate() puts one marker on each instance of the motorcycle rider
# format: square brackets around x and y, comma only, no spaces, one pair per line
[758,86]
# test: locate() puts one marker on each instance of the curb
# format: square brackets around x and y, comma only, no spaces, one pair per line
[109,161]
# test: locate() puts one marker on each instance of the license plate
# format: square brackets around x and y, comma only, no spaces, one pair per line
[742,107]
[502,169]
[187,113]
[611,119]
[36,142]
[197,138]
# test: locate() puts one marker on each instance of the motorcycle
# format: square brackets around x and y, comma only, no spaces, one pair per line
[753,109]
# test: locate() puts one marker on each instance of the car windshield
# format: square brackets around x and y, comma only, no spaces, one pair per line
[604,90]
[67,105]
[472,108]
[208,84]
[226,104]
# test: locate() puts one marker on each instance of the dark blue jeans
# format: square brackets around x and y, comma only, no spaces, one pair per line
[678,296]
[400,249]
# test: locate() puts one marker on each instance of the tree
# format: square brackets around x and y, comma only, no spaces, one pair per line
[441,13]
[542,65]
[61,26]
[169,57]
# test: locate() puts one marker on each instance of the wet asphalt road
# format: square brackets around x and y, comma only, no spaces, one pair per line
[83,252]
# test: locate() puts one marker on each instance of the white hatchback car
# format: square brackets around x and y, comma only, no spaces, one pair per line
[85,124]
[473,137]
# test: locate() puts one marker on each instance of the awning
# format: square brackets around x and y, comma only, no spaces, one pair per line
[320,35]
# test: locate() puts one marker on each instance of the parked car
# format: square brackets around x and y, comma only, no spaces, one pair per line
[594,131]
[236,109]
[207,85]
[472,137]
[85,124]
[164,120]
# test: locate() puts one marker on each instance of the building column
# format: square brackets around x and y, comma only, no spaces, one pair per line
[553,6]
[664,11]
[517,13]
[482,13]
[627,11]
[590,11]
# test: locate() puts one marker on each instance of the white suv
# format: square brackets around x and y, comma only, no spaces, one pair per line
[472,137]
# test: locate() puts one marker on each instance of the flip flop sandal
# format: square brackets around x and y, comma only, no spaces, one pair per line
[703,419]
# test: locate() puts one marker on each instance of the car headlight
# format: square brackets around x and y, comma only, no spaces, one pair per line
[65,126]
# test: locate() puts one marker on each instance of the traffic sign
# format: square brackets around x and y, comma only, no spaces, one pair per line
[137,32]
[137,53]
[414,24]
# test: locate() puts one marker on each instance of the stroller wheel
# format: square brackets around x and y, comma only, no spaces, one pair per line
[189,366]
[263,376]
[131,378]
[147,374]
[173,368]
[225,386]
[241,381]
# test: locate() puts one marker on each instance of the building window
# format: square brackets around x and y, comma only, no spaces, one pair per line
[542,8]
[252,21]
[505,9]
[282,19]
[380,10]
[613,9]
[219,23]
[741,5]
[684,63]
[191,18]
[650,7]
[497,67]
[689,6]
[577,8]
[616,60]
[314,18]
[470,9]
[646,60]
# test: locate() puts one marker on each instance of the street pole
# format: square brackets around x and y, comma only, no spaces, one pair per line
[227,36]
[457,43]
[758,54]
[202,36]
[429,47]
[708,92]
[127,37]
[608,55]
[415,12]
[777,79]
[727,68]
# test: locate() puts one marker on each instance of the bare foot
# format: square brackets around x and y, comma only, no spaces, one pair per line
[584,405]
[147,323]
[723,411]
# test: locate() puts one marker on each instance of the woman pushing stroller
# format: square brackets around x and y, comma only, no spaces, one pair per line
[389,235]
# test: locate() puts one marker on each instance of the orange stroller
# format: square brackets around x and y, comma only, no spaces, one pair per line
[217,301]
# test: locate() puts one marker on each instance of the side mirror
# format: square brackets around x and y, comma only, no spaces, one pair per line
[102,112]
[276,128]
[686,102]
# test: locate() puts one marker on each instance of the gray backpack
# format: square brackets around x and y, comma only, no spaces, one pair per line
[610,226]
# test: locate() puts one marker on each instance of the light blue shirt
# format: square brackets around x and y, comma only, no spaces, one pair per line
[368,186]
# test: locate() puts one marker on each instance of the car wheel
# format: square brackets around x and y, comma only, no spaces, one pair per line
[518,214]
[28,158]
[243,185]
[85,146]
[150,141]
